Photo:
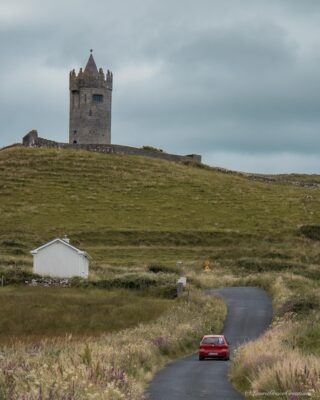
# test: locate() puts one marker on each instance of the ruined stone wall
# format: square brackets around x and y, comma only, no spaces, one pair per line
[111,149]
[30,138]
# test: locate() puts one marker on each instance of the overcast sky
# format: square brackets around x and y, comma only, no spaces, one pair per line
[237,81]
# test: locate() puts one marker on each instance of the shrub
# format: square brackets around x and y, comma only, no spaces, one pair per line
[160,284]
[299,304]
[76,281]
[310,231]
[255,265]
[11,243]
[127,281]
[156,268]
[167,291]
[151,148]
[137,281]
[16,276]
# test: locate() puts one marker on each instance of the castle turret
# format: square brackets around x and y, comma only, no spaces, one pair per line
[90,105]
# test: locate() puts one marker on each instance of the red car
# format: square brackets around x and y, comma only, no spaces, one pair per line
[214,346]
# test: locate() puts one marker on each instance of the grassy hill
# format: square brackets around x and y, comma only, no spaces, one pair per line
[131,210]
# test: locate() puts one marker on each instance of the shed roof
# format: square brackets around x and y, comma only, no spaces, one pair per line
[35,251]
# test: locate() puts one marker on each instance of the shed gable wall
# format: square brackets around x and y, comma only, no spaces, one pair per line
[60,260]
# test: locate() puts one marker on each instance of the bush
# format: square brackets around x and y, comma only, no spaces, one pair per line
[299,304]
[138,280]
[151,148]
[16,276]
[163,285]
[12,243]
[76,281]
[254,265]
[156,268]
[167,291]
[310,231]
[134,281]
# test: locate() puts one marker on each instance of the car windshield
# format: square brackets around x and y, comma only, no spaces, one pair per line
[213,340]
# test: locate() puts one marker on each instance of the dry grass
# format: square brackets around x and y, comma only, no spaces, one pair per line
[284,362]
[273,364]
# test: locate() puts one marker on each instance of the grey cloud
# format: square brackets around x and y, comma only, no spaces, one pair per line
[295,162]
[232,77]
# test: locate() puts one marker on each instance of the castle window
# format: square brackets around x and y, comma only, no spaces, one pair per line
[97,98]
[75,98]
[75,142]
[74,132]
[90,113]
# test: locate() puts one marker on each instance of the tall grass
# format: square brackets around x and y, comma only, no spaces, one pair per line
[272,364]
[110,367]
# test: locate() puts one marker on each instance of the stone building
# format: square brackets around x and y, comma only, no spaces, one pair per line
[90,105]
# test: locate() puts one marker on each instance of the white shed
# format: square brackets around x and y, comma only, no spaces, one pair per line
[59,258]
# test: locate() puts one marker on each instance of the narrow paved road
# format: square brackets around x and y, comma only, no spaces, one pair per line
[249,314]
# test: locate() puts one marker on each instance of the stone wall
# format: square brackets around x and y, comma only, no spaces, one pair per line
[108,148]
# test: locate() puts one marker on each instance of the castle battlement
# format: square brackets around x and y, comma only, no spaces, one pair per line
[87,80]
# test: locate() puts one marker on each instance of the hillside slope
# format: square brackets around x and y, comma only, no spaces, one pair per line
[108,202]
[128,212]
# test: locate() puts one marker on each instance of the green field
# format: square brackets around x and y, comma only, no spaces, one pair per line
[37,312]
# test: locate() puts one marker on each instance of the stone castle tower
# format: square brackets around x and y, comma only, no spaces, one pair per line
[90,105]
